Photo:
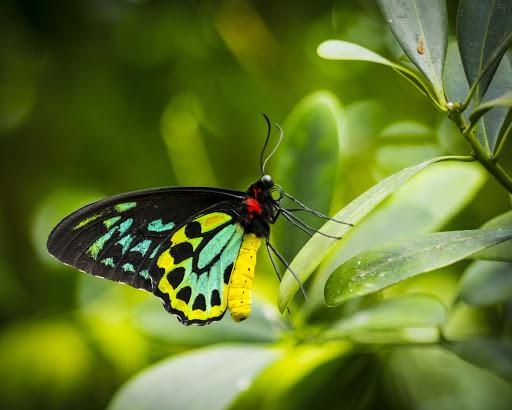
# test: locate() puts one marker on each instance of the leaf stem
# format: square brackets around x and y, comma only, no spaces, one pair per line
[487,160]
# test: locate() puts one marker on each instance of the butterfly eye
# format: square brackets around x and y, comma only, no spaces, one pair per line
[277,193]
[267,181]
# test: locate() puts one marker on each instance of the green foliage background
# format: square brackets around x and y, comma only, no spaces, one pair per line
[103,97]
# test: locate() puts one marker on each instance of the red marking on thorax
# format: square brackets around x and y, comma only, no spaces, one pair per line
[253,205]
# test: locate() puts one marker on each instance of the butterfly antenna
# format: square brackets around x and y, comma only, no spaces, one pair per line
[275,148]
[287,265]
[269,126]
[312,211]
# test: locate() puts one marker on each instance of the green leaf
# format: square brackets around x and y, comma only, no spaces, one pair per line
[421,28]
[483,27]
[310,256]
[345,51]
[204,379]
[486,283]
[498,97]
[393,262]
[494,355]
[504,100]
[503,251]
[455,83]
[310,152]
[409,211]
[414,311]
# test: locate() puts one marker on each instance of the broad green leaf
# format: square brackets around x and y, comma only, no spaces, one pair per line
[432,378]
[271,387]
[455,83]
[421,28]
[209,378]
[486,283]
[493,355]
[310,152]
[310,256]
[409,311]
[264,325]
[503,251]
[409,211]
[483,27]
[499,98]
[345,51]
[395,261]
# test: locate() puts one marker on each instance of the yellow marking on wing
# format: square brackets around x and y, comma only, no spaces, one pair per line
[212,220]
[165,261]
[240,284]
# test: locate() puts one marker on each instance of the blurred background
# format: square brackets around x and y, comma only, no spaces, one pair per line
[100,97]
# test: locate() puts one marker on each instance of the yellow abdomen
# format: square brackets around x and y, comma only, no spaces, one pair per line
[240,283]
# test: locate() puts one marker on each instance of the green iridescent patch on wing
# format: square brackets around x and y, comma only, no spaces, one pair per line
[86,221]
[108,223]
[142,247]
[125,243]
[158,226]
[125,206]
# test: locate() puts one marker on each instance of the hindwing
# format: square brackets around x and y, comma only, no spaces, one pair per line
[191,273]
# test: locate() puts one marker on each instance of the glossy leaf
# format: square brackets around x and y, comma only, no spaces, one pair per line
[483,27]
[219,374]
[499,98]
[413,311]
[421,28]
[455,83]
[503,251]
[393,262]
[310,256]
[486,283]
[310,152]
[409,211]
[345,51]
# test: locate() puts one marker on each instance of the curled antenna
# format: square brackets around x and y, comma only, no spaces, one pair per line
[274,150]
[262,164]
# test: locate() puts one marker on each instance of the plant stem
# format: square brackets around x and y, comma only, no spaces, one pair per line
[486,159]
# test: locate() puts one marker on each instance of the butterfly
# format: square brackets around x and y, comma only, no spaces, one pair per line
[193,247]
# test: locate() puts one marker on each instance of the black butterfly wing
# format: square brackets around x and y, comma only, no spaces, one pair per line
[118,238]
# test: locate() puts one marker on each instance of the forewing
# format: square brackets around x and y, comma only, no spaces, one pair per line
[119,237]
[193,270]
